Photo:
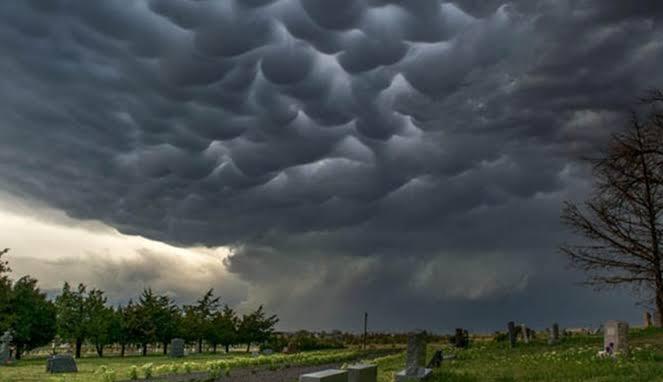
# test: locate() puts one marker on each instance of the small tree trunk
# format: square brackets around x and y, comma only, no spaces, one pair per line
[165,347]
[144,352]
[214,348]
[200,345]
[79,345]
[227,348]
[122,348]
[100,350]
[658,318]
[248,347]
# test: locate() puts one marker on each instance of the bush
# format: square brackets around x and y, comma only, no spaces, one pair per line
[133,372]
[500,337]
[148,370]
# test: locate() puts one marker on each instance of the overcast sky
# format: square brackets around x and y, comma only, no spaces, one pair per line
[321,157]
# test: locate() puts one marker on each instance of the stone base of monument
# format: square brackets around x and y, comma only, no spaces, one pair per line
[421,375]
[331,375]
[61,364]
[362,373]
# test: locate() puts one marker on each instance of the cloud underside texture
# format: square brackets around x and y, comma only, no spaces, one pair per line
[393,155]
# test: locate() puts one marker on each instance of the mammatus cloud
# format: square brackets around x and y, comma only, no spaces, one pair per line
[382,143]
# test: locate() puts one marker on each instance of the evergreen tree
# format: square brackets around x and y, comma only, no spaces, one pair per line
[72,317]
[33,316]
[98,320]
[224,328]
[198,318]
[5,293]
[256,327]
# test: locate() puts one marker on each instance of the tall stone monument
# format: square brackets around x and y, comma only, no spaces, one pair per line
[511,327]
[415,366]
[615,337]
[5,343]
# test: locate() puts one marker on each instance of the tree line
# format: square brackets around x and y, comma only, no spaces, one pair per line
[79,315]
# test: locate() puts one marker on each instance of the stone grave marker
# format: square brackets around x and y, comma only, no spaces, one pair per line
[615,337]
[415,369]
[5,343]
[554,334]
[331,375]
[511,328]
[61,363]
[267,351]
[525,333]
[658,323]
[461,339]
[362,373]
[437,359]
[177,348]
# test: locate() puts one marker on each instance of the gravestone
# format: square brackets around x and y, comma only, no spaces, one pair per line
[647,320]
[525,332]
[657,320]
[554,334]
[61,363]
[5,343]
[415,369]
[267,351]
[437,359]
[461,339]
[511,327]
[177,348]
[331,375]
[615,337]
[362,373]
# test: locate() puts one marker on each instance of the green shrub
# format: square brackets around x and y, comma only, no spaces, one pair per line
[133,372]
[148,370]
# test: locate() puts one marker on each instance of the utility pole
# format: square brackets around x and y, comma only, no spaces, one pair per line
[365,329]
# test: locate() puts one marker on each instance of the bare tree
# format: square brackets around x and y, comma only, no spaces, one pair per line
[623,217]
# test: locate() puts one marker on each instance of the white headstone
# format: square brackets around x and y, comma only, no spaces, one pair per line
[615,337]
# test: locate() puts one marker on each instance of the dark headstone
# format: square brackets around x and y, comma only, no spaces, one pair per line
[177,348]
[61,363]
[437,359]
[511,327]
[461,339]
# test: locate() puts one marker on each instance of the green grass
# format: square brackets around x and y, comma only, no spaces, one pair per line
[90,369]
[572,360]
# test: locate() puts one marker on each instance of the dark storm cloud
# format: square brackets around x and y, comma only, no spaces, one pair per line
[411,140]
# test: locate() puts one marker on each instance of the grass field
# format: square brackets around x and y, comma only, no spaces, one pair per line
[90,368]
[574,359]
